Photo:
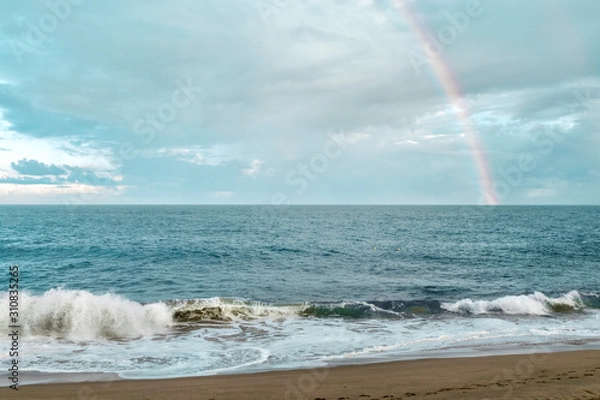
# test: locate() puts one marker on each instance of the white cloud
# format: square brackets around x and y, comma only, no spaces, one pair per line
[350,138]
[213,156]
[542,192]
[254,170]
[221,195]
[76,193]
[407,141]
[297,70]
[61,151]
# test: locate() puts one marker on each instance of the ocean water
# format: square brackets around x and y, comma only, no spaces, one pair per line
[169,291]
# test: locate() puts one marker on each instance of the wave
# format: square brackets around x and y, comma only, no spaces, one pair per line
[81,315]
[219,309]
[533,304]
[371,309]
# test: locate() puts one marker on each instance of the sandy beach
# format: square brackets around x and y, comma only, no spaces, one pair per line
[565,375]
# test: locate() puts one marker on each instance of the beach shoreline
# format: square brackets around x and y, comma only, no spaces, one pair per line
[554,375]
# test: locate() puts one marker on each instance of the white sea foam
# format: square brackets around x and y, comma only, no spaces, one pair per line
[81,315]
[265,342]
[533,304]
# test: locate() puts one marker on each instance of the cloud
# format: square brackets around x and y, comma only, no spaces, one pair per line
[275,80]
[34,172]
[54,169]
[350,138]
[213,156]
[541,192]
[40,193]
[33,167]
[221,195]
[254,170]
[66,150]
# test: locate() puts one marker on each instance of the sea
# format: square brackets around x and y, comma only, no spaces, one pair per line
[159,291]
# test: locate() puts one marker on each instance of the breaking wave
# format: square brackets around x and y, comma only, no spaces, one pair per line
[81,315]
[533,304]
[219,309]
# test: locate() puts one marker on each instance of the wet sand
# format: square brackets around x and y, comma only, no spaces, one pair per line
[566,375]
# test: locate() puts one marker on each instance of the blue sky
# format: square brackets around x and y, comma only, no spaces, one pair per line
[281,101]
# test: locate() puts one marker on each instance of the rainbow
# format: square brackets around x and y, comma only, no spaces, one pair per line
[456,99]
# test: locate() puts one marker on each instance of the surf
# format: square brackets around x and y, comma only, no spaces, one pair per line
[81,315]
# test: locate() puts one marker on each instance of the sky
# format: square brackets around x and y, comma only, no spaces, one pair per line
[299,102]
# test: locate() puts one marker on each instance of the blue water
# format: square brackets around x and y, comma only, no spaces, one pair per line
[310,253]
[394,281]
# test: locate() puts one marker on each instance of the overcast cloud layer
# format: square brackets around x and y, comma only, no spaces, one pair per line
[281,101]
